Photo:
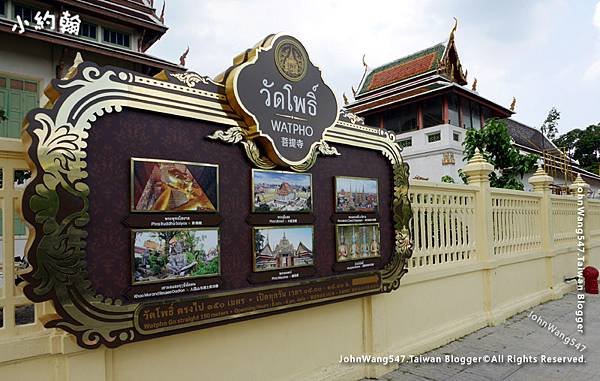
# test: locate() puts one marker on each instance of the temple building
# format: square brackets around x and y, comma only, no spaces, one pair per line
[116,33]
[284,255]
[285,193]
[356,199]
[425,99]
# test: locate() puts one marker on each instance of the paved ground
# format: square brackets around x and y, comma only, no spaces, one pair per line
[520,335]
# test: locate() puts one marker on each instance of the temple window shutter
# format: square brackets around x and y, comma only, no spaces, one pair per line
[17,98]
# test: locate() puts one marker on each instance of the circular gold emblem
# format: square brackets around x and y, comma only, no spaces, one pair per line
[291,60]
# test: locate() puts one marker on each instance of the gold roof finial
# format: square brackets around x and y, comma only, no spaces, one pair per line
[184,56]
[474,87]
[513,104]
[454,28]
[345,98]
[364,74]
[353,91]
[162,12]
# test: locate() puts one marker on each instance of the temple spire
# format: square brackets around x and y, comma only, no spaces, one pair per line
[162,12]
[184,56]
[453,28]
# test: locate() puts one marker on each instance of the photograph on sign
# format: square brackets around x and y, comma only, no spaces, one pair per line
[279,191]
[171,186]
[163,255]
[356,194]
[277,248]
[357,241]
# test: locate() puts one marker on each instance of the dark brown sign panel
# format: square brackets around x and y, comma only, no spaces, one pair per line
[283,99]
[177,227]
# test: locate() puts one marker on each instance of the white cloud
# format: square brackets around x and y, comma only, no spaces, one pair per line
[592,72]
[527,49]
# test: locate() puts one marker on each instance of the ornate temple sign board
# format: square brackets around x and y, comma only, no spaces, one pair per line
[168,204]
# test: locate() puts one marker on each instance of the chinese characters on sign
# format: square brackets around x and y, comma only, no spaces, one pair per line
[67,23]
[291,142]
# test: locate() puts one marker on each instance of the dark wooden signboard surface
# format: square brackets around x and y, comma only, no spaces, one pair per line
[128,254]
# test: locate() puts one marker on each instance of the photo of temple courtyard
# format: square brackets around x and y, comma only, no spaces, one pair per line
[174,254]
[281,191]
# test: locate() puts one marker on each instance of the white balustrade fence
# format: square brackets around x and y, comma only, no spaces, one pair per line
[516,221]
[442,224]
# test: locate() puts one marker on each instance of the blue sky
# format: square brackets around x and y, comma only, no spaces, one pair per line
[344,183]
[210,240]
[545,53]
[294,179]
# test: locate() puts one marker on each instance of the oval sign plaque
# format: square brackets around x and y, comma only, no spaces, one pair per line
[283,99]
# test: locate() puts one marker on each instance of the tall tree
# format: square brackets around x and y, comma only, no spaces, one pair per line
[496,145]
[166,236]
[550,126]
[583,146]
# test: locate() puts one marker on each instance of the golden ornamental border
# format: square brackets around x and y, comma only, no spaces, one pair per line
[55,140]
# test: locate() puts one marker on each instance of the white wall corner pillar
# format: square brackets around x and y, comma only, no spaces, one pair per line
[540,181]
[580,189]
[478,171]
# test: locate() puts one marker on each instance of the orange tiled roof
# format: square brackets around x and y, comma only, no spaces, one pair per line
[405,67]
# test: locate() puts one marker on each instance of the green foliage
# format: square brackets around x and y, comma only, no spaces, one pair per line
[583,146]
[166,236]
[259,240]
[496,146]
[463,177]
[190,257]
[137,262]
[211,267]
[157,263]
[549,127]
[262,208]
[448,179]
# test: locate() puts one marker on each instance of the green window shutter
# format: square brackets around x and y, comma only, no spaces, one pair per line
[17,103]
[4,106]
[15,113]
[18,226]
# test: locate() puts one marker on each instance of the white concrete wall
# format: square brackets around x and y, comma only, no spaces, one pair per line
[24,57]
[426,158]
[37,60]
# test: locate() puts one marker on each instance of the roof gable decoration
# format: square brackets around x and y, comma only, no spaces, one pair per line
[441,58]
[450,65]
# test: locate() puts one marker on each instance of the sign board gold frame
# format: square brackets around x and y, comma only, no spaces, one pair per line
[55,139]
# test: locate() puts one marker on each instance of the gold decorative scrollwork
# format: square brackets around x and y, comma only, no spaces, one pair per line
[190,78]
[236,135]
[346,132]
[232,135]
